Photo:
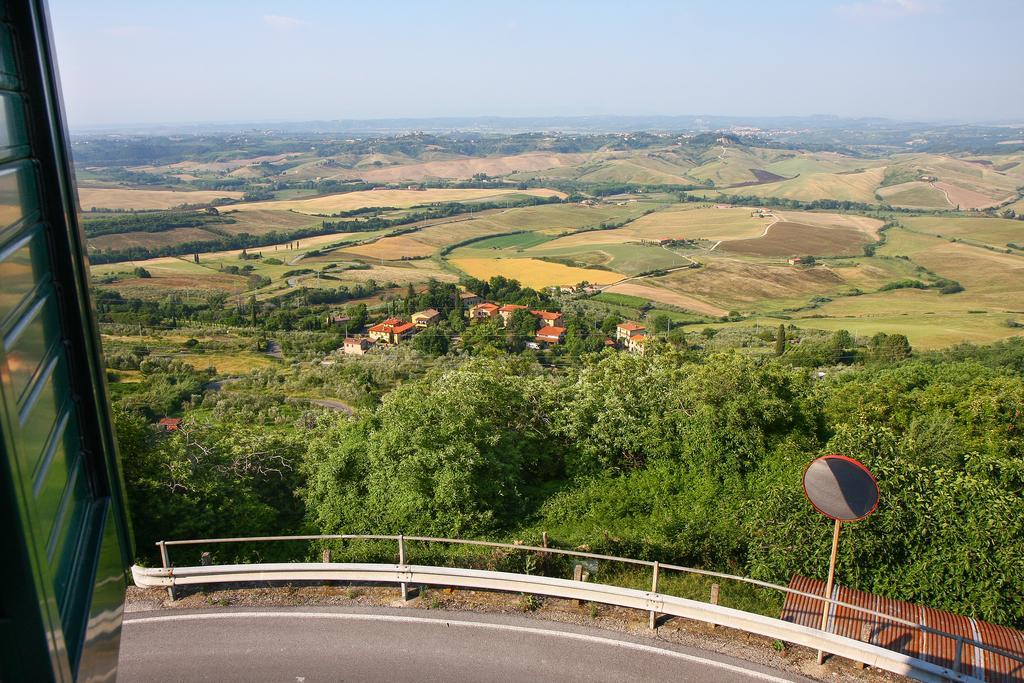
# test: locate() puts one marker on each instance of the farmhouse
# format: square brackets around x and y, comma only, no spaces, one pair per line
[795,261]
[723,206]
[548,318]
[550,335]
[339,320]
[356,346]
[636,343]
[392,331]
[624,331]
[469,298]
[484,311]
[426,318]
[507,311]
[170,424]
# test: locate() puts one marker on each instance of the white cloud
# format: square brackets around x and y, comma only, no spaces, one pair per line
[877,9]
[281,22]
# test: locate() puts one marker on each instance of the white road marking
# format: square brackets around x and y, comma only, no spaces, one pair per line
[649,649]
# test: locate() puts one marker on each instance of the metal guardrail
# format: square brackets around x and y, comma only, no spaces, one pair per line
[652,602]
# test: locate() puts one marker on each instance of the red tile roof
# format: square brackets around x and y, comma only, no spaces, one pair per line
[508,308]
[630,327]
[549,333]
[401,329]
[171,421]
[547,315]
[638,338]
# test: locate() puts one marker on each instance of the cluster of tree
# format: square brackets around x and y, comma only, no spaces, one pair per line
[96,225]
[783,203]
[695,459]
[431,212]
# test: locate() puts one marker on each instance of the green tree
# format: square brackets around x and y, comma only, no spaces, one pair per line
[780,340]
[431,341]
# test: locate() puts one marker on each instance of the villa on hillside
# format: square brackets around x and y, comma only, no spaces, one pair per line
[483,311]
[356,346]
[339,320]
[469,298]
[795,261]
[635,344]
[548,318]
[625,331]
[426,317]
[392,331]
[507,311]
[550,335]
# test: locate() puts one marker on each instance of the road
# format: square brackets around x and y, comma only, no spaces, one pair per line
[364,644]
[332,404]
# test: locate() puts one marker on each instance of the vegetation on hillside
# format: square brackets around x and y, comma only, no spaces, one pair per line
[684,456]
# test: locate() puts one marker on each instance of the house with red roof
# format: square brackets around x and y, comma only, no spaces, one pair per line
[392,331]
[507,311]
[636,343]
[484,311]
[550,335]
[170,424]
[623,331]
[548,318]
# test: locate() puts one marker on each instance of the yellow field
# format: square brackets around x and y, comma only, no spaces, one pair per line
[226,363]
[857,187]
[992,279]
[348,201]
[467,168]
[548,219]
[688,222]
[869,226]
[995,231]
[534,273]
[120,198]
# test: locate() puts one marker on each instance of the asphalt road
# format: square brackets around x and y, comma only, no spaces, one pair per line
[309,644]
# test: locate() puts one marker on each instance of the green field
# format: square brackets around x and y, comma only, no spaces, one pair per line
[992,231]
[621,299]
[522,240]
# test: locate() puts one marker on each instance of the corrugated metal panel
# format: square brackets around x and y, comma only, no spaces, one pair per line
[911,641]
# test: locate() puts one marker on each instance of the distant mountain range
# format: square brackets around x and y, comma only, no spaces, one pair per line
[569,124]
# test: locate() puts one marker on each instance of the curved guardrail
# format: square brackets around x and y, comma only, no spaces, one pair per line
[404,573]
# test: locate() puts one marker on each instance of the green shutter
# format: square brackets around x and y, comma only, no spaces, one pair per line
[62,512]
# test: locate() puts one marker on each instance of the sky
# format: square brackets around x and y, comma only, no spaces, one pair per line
[218,61]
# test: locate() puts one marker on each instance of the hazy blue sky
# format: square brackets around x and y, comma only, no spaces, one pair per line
[129,61]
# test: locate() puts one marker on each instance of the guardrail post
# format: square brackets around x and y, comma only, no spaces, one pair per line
[713,599]
[654,589]
[958,656]
[204,559]
[401,561]
[865,637]
[577,575]
[327,556]
[165,563]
